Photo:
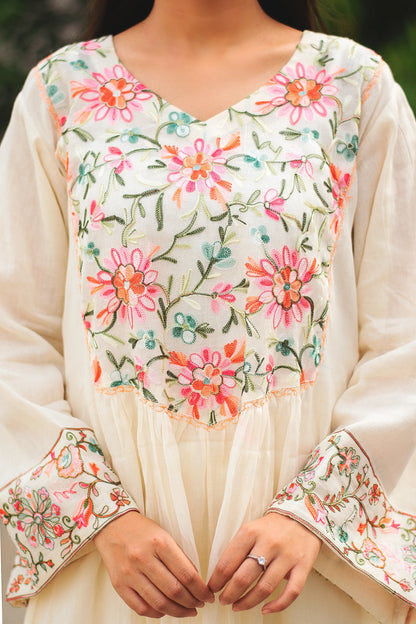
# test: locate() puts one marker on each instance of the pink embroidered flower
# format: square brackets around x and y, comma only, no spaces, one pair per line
[304,91]
[96,215]
[373,554]
[38,519]
[119,160]
[20,526]
[69,463]
[58,530]
[271,374]
[283,280]
[90,46]
[273,204]
[128,285]
[120,498]
[113,93]
[340,184]
[18,506]
[315,508]
[350,461]
[199,168]
[221,293]
[301,164]
[207,378]
[374,494]
[83,513]
[405,585]
[15,584]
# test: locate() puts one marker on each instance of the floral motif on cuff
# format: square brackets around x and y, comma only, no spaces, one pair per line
[52,510]
[339,497]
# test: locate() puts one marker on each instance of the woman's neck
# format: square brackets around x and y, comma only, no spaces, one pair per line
[204,27]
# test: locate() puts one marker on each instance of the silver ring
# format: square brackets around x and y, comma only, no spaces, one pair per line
[260,560]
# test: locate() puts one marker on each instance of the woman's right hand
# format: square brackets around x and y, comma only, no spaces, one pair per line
[149,570]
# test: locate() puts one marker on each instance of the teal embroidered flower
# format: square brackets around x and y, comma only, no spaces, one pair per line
[316,352]
[131,135]
[147,336]
[84,171]
[78,65]
[349,147]
[246,368]
[219,253]
[91,250]
[285,347]
[342,535]
[54,94]
[185,326]
[260,234]
[256,161]
[180,124]
[309,135]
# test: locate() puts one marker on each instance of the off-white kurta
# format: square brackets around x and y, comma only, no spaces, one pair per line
[221,310]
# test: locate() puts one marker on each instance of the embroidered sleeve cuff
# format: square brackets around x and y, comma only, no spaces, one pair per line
[339,497]
[55,508]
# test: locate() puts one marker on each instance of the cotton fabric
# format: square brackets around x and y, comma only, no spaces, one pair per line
[281,315]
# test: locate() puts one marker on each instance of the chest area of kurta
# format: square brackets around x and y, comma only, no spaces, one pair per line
[204,248]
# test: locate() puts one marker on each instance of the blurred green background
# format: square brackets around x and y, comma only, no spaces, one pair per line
[29,30]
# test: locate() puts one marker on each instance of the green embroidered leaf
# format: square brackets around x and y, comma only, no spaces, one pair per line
[83,134]
[253,197]
[148,395]
[159,212]
[200,267]
[204,329]
[112,358]
[290,135]
[120,179]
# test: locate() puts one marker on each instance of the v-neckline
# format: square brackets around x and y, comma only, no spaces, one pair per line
[291,61]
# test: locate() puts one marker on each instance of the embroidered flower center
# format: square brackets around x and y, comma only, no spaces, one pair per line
[116,93]
[128,284]
[207,380]
[287,287]
[302,92]
[198,166]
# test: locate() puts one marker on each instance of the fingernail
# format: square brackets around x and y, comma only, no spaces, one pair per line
[211,599]
[200,604]
[266,611]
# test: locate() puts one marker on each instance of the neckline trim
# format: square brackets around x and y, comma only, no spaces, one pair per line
[290,62]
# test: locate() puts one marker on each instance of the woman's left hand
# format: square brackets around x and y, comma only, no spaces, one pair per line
[290,550]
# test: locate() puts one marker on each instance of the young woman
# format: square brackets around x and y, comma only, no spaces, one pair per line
[208,332]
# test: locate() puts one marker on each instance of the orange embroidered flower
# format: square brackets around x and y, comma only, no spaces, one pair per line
[127,284]
[304,91]
[207,378]
[116,93]
[200,168]
[111,94]
[283,280]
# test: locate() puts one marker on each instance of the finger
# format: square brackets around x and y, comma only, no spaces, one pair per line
[297,579]
[185,572]
[169,585]
[241,581]
[266,585]
[233,556]
[137,604]
[159,601]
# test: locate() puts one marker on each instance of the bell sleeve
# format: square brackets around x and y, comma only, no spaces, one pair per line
[56,488]
[357,489]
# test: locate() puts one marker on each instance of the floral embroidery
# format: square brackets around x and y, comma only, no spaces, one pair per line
[282,279]
[113,93]
[339,497]
[49,524]
[192,236]
[302,92]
